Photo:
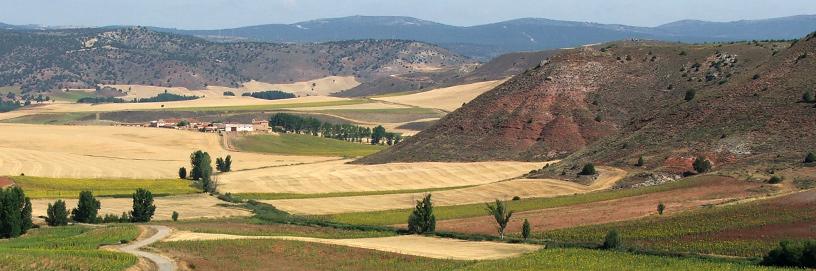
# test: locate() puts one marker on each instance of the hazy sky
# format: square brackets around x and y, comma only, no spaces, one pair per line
[204,14]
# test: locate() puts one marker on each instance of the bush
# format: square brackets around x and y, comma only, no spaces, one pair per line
[775,180]
[182,173]
[57,214]
[589,169]
[701,165]
[810,158]
[174,216]
[422,219]
[229,93]
[612,240]
[525,229]
[86,209]
[690,94]
[807,97]
[792,255]
[109,218]
[143,207]
[640,162]
[660,208]
[516,198]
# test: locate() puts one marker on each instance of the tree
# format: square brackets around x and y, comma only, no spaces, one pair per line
[377,135]
[219,164]
[501,214]
[612,240]
[589,169]
[660,208]
[422,219]
[525,229]
[810,158]
[28,222]
[15,209]
[57,214]
[227,164]
[86,209]
[701,165]
[201,169]
[174,216]
[143,207]
[640,162]
[690,94]
[792,255]
[182,173]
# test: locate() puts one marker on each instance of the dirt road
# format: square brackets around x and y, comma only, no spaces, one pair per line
[162,263]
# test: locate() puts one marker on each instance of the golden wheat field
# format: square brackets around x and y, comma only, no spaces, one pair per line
[188,207]
[447,99]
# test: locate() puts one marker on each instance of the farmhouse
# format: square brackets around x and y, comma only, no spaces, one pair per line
[238,127]
[260,125]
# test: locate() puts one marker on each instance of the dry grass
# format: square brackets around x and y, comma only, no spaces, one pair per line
[447,99]
[115,152]
[188,207]
[482,193]
[318,87]
[338,176]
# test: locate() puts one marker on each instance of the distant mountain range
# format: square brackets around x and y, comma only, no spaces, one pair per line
[490,40]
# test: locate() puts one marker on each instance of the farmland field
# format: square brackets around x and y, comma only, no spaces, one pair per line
[67,248]
[188,206]
[39,187]
[297,144]
[447,99]
[255,227]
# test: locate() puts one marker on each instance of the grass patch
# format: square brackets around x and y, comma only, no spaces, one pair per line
[391,217]
[297,144]
[55,118]
[276,196]
[391,115]
[264,107]
[257,227]
[71,96]
[67,248]
[753,229]
[40,187]
[587,259]
[294,255]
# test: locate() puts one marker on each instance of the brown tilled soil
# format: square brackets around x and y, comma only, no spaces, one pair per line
[716,190]
[5,181]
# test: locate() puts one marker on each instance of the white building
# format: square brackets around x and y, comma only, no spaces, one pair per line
[237,127]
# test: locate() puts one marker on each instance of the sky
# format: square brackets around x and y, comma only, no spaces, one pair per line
[215,14]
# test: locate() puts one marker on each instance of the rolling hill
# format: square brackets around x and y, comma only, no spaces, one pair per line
[527,34]
[615,102]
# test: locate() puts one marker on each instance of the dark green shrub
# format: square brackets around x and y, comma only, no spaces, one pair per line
[182,173]
[660,208]
[516,198]
[86,209]
[701,165]
[807,97]
[612,240]
[690,94]
[57,214]
[589,169]
[525,229]
[792,255]
[640,162]
[422,219]
[810,158]
[775,180]
[175,216]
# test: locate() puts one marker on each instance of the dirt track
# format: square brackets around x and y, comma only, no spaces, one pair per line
[478,194]
[715,190]
[407,244]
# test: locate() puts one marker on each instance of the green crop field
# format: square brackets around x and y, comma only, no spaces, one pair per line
[392,115]
[71,96]
[257,227]
[67,248]
[39,187]
[294,255]
[52,118]
[752,229]
[264,107]
[296,144]
[586,259]
[391,217]
[275,196]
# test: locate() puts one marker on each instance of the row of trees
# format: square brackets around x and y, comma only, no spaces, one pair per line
[422,219]
[15,212]
[307,125]
[88,208]
[269,95]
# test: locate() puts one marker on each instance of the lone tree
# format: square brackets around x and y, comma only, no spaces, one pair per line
[422,219]
[810,158]
[640,162]
[15,212]
[57,214]
[143,207]
[701,165]
[182,173]
[589,169]
[377,135]
[86,210]
[525,229]
[660,208]
[501,214]
[174,216]
[612,240]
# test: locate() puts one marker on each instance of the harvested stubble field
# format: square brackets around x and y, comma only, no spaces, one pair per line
[296,144]
[39,187]
[448,99]
[744,229]
[188,207]
[67,248]
[482,193]
[318,87]
[339,176]
[711,190]
[415,245]
[115,152]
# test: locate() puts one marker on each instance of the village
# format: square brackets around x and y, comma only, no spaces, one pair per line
[255,126]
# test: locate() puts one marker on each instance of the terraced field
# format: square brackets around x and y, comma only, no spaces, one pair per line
[339,176]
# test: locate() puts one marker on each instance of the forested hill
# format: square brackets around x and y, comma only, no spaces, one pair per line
[83,58]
